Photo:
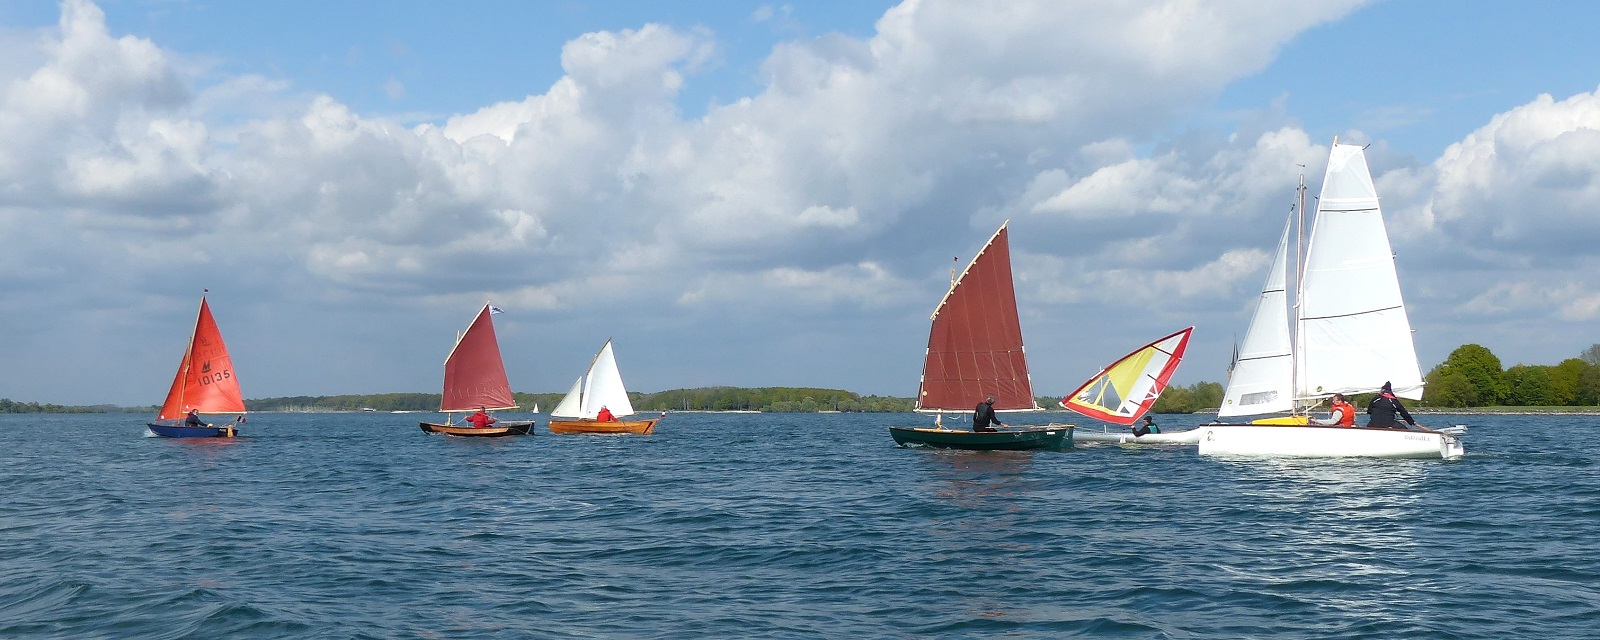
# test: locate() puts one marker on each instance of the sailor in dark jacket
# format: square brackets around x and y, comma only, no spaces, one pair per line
[1383,408]
[983,416]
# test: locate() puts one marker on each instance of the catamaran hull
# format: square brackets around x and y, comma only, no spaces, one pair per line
[1326,442]
[1191,436]
[497,430]
[170,431]
[639,427]
[1010,440]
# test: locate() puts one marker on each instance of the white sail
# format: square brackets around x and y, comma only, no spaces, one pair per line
[568,407]
[1353,330]
[1261,380]
[603,387]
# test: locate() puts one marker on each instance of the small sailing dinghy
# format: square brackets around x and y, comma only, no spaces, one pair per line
[205,383]
[1350,335]
[474,378]
[975,351]
[597,395]
[1125,390]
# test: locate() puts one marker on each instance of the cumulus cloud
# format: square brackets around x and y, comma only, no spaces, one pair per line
[844,183]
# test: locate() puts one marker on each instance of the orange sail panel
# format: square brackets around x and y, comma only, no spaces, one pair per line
[205,379]
[474,375]
[1124,391]
[975,344]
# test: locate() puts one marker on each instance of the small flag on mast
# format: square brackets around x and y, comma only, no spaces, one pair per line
[494,310]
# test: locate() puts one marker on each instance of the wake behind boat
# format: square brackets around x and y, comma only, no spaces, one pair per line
[475,378]
[974,352]
[1350,335]
[205,384]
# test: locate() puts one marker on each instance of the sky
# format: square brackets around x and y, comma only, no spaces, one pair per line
[755,193]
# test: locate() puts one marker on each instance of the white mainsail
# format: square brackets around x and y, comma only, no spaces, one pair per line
[1261,381]
[600,387]
[1354,334]
[603,387]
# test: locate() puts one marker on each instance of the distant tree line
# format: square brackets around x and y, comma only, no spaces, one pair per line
[9,406]
[1472,376]
[1199,396]
[772,399]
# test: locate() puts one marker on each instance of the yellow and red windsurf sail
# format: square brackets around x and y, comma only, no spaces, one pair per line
[205,379]
[1125,390]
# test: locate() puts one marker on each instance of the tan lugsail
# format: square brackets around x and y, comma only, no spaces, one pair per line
[975,342]
[205,380]
[474,374]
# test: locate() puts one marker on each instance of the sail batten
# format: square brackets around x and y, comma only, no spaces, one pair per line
[474,373]
[975,339]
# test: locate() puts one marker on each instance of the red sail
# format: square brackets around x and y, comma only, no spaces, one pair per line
[205,379]
[975,345]
[474,375]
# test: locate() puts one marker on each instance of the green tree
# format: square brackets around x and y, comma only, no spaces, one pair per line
[1564,380]
[1530,386]
[1450,389]
[1588,392]
[1481,368]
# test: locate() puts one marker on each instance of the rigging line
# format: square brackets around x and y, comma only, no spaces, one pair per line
[1351,315]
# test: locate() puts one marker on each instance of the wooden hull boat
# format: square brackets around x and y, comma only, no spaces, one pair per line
[496,430]
[179,431]
[1052,438]
[595,426]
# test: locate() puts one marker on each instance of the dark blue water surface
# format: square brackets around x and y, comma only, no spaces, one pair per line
[781,525]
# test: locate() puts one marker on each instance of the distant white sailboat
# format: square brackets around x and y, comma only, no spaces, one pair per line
[1350,335]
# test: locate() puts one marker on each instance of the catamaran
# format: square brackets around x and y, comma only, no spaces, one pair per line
[975,351]
[1350,335]
[1126,389]
[205,383]
[475,378]
[598,395]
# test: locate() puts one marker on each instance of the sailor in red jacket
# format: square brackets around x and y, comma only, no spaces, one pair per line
[480,419]
[605,415]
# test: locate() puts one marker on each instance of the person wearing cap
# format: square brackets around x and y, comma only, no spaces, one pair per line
[1381,411]
[983,416]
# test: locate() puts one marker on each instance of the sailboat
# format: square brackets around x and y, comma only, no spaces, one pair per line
[205,383]
[1127,388]
[475,378]
[1350,335]
[975,351]
[600,388]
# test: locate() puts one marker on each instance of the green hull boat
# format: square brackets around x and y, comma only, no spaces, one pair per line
[1004,440]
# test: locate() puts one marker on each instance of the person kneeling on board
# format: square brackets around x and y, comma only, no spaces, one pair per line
[1383,409]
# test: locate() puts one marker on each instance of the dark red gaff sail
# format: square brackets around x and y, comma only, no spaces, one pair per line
[205,379]
[975,344]
[474,375]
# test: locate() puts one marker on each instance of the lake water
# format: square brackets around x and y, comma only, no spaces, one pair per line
[781,525]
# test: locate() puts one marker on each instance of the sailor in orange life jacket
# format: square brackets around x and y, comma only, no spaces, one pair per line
[1340,413]
[481,419]
[605,415]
